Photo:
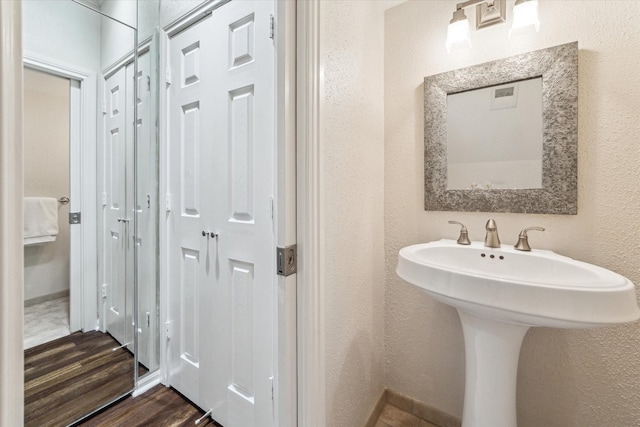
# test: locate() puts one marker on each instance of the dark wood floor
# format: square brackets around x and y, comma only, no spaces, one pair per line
[72,376]
[159,407]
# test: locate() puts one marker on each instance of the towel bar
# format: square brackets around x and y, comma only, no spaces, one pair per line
[63,200]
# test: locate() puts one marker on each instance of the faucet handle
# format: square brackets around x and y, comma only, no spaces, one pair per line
[523,239]
[463,239]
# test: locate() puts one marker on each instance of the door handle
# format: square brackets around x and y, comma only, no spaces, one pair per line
[209,234]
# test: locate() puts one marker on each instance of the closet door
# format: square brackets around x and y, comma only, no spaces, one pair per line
[116,214]
[221,161]
[244,180]
[191,265]
[146,208]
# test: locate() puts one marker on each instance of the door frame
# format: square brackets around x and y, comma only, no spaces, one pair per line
[83,286]
[11,198]
[311,243]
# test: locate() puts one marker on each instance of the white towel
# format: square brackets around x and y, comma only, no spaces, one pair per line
[40,220]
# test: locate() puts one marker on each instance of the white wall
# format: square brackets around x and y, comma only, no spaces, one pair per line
[46,174]
[352,53]
[62,30]
[148,18]
[566,377]
[117,40]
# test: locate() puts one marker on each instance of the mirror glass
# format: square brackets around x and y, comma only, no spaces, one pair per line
[90,231]
[494,137]
[503,136]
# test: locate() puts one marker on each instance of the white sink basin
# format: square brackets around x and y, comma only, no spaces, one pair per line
[499,294]
[537,288]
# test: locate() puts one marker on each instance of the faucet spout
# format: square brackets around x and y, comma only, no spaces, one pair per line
[492,240]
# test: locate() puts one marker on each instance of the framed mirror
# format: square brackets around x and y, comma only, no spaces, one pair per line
[502,136]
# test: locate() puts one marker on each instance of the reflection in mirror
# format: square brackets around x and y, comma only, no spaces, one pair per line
[494,137]
[79,138]
[456,174]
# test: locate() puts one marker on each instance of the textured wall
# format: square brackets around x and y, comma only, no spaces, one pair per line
[566,377]
[353,139]
[170,10]
[46,174]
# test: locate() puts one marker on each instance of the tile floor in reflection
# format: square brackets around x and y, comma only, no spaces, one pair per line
[394,417]
[46,321]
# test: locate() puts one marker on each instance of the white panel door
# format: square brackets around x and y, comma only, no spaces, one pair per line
[234,274]
[115,158]
[190,111]
[130,210]
[244,177]
[146,207]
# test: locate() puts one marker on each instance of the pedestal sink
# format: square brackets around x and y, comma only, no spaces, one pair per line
[499,294]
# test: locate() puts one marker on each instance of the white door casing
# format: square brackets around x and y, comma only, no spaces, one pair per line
[83,176]
[221,180]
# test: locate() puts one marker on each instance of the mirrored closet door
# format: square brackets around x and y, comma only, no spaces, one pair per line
[91,207]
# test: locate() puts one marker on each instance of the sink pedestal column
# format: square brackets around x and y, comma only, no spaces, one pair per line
[492,349]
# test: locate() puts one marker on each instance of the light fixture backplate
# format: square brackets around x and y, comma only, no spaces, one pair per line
[491,13]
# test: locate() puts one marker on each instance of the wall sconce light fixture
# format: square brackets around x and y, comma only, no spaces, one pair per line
[489,12]
[525,13]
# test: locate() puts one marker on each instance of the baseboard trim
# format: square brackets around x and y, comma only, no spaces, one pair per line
[377,410]
[146,382]
[45,298]
[421,410]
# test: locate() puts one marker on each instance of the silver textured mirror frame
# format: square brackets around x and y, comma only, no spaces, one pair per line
[558,67]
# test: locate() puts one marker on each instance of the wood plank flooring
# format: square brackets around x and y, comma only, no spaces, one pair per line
[158,407]
[72,376]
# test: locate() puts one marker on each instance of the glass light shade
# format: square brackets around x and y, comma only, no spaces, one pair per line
[524,15]
[458,32]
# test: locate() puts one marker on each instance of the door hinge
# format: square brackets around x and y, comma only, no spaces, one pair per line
[286,260]
[272,207]
[148,83]
[271,380]
[104,107]
[167,330]
[104,290]
[167,202]
[167,75]
[272,27]
[75,218]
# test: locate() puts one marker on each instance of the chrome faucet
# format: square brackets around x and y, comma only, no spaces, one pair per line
[492,240]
